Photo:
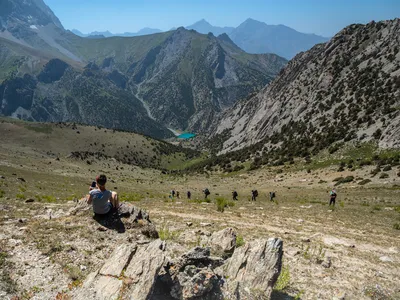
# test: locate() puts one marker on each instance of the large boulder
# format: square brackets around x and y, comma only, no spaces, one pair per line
[253,268]
[223,242]
[193,276]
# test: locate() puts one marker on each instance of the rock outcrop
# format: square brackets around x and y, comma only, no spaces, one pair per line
[145,272]
[255,266]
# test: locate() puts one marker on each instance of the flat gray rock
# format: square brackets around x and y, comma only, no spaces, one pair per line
[107,287]
[118,260]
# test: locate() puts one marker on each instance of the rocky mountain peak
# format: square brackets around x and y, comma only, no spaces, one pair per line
[28,13]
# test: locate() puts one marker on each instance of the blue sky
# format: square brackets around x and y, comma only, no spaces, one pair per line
[323,17]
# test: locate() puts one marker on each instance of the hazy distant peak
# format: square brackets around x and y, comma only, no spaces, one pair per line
[252,21]
[78,33]
[148,30]
[203,26]
[202,22]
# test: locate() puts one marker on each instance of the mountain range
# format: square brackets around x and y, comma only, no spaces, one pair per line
[251,36]
[143,31]
[179,79]
[250,105]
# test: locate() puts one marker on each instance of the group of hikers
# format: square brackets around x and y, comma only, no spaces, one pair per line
[235,195]
[104,201]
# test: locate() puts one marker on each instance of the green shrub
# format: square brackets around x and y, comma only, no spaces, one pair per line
[283,280]
[49,199]
[338,179]
[20,196]
[375,171]
[396,226]
[222,203]
[238,168]
[384,175]
[387,168]
[376,207]
[2,193]
[345,180]
[239,241]
[166,234]
[365,181]
[365,163]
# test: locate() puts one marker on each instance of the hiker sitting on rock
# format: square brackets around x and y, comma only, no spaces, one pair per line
[103,200]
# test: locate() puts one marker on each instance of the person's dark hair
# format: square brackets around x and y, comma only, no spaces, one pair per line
[101,179]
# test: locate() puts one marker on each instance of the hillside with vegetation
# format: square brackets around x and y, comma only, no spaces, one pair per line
[345,91]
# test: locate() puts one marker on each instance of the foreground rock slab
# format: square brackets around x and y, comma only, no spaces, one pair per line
[144,268]
[119,259]
[254,267]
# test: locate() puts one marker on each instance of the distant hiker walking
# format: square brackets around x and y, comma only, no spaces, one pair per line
[189,195]
[271,196]
[206,193]
[234,195]
[254,195]
[178,195]
[332,196]
[102,200]
[173,193]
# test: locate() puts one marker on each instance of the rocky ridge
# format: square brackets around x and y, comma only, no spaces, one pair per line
[344,90]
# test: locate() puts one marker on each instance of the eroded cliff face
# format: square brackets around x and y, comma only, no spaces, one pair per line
[346,89]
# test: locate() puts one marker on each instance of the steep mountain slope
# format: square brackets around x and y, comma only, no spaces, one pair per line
[257,37]
[204,27]
[184,77]
[61,93]
[347,89]
[31,23]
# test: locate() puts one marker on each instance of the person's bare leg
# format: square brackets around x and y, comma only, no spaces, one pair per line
[114,199]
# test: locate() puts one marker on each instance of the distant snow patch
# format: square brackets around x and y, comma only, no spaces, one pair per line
[33,27]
